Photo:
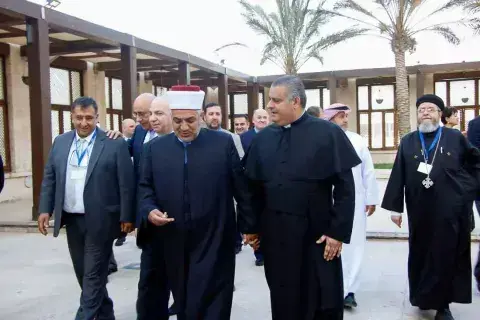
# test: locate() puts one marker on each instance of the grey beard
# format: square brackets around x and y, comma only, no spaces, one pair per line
[428,127]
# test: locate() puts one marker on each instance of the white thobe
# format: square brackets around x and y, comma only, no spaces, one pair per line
[366,193]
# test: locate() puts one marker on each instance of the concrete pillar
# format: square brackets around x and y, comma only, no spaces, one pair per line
[332,86]
[412,87]
[223,97]
[348,96]
[144,86]
[18,96]
[94,86]
[266,98]
[211,95]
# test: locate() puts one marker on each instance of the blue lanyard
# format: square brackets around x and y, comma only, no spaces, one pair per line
[435,141]
[82,155]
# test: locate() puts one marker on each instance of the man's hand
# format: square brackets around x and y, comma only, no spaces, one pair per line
[158,218]
[370,210]
[113,134]
[126,227]
[333,248]
[252,239]
[397,220]
[43,219]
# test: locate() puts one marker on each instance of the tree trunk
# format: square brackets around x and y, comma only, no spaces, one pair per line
[402,93]
[290,66]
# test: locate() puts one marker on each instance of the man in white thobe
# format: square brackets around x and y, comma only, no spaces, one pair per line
[366,198]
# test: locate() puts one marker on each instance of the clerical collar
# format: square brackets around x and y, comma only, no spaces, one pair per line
[296,121]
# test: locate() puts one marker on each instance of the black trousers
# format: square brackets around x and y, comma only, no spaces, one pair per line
[476,271]
[90,262]
[153,290]
[112,263]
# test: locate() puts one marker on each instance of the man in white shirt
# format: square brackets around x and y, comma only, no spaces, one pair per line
[89,187]
[366,198]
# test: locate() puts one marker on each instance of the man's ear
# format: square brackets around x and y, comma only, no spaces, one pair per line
[296,102]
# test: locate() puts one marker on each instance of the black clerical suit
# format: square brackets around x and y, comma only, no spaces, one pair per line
[474,138]
[439,266]
[195,183]
[2,174]
[292,174]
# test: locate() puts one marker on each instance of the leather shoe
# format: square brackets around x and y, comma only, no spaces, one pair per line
[444,314]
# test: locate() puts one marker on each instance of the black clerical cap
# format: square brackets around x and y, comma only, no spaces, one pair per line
[436,100]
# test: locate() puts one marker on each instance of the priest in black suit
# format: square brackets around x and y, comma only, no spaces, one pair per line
[303,205]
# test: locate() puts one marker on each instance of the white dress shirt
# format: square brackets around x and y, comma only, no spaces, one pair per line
[149,136]
[76,174]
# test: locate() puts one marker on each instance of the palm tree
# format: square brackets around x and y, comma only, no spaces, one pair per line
[473,6]
[399,25]
[293,32]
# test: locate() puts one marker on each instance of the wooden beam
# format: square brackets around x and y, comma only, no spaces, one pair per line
[80,46]
[129,79]
[174,76]
[253,90]
[117,65]
[184,73]
[12,34]
[71,64]
[4,49]
[40,114]
[222,83]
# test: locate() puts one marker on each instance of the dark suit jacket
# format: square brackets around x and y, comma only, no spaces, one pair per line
[473,132]
[247,138]
[135,146]
[2,174]
[109,185]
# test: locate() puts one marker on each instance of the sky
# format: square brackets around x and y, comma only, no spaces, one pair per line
[199,27]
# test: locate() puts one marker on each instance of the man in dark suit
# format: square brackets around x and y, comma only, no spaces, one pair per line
[88,186]
[473,135]
[152,299]
[260,120]
[2,174]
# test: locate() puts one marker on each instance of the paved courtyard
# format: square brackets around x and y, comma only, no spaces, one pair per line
[37,283]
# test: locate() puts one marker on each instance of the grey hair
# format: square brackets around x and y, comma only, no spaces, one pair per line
[295,87]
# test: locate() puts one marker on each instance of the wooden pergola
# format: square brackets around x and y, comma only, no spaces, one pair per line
[49,38]
[334,79]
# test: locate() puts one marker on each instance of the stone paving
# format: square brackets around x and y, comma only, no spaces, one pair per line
[38,283]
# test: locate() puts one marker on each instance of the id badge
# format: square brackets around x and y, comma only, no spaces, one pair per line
[77,174]
[424,168]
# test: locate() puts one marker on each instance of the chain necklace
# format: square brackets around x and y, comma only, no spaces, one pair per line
[427,182]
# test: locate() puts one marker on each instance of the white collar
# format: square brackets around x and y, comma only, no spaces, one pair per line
[87,138]
[289,125]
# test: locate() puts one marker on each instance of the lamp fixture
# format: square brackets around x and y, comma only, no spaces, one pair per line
[51,4]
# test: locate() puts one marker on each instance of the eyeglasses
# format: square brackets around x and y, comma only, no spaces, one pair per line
[428,110]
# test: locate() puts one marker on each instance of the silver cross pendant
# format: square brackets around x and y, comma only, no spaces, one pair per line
[427,182]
